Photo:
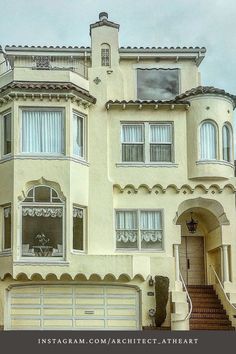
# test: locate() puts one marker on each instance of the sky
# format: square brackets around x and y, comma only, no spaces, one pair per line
[208,23]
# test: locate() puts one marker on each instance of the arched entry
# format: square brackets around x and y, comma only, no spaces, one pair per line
[200,249]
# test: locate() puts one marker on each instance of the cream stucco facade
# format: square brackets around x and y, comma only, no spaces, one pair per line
[113,279]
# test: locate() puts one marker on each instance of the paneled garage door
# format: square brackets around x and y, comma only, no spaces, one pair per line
[72,307]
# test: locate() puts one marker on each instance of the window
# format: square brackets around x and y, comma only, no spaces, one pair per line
[147,142]
[42,131]
[226,141]
[139,229]
[78,228]
[133,142]
[7,133]
[105,55]
[42,223]
[157,84]
[6,228]
[78,135]
[208,141]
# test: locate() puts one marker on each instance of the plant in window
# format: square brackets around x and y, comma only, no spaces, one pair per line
[42,239]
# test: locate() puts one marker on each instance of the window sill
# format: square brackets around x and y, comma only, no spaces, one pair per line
[6,253]
[215,162]
[76,252]
[136,251]
[143,164]
[32,261]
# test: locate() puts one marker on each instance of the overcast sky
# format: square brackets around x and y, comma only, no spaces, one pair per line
[209,23]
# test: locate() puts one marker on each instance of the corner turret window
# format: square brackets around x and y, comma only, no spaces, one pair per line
[43,131]
[42,223]
[105,55]
[6,148]
[226,141]
[208,141]
[78,135]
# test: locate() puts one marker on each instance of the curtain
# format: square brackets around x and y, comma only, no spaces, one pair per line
[151,225]
[126,229]
[160,140]
[78,135]
[132,147]
[208,141]
[42,132]
[226,144]
[150,220]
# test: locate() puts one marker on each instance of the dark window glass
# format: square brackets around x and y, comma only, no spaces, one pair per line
[7,134]
[7,228]
[78,229]
[157,84]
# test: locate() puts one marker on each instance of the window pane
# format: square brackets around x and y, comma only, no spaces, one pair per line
[132,153]
[78,138]
[160,133]
[126,229]
[151,229]
[160,153]
[157,84]
[42,194]
[7,133]
[43,132]
[105,56]
[226,144]
[78,229]
[208,141]
[132,133]
[7,228]
[42,231]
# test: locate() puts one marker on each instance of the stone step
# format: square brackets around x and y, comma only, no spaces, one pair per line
[200,287]
[203,295]
[214,321]
[201,291]
[205,300]
[209,305]
[209,327]
[209,315]
[209,310]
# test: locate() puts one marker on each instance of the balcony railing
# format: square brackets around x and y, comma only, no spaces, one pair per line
[47,63]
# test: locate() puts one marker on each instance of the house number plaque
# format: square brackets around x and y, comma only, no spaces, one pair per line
[150,293]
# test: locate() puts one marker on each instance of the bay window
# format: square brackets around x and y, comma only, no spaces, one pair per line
[147,142]
[7,133]
[42,131]
[78,135]
[139,229]
[208,141]
[6,228]
[42,223]
[227,142]
[78,228]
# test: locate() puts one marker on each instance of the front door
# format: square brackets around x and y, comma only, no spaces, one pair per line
[191,256]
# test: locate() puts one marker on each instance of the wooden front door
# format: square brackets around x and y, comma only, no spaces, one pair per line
[191,256]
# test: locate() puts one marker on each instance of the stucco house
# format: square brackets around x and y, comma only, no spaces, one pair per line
[116,166]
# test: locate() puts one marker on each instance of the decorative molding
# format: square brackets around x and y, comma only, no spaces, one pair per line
[161,164]
[185,188]
[38,157]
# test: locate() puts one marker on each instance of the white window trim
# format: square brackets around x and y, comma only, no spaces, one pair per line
[42,260]
[83,158]
[147,144]
[42,154]
[74,251]
[2,115]
[139,249]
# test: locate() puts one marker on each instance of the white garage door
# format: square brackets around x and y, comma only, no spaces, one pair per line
[72,307]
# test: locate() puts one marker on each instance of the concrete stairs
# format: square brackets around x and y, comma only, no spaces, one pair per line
[208,312]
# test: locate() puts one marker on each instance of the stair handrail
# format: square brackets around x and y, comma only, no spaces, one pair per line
[188,298]
[222,287]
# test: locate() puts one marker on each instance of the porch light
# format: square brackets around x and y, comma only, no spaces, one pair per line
[192,225]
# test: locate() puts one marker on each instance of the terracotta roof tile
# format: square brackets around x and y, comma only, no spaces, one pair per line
[27,85]
[201,90]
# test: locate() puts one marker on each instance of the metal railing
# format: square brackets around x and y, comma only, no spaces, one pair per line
[222,287]
[190,304]
[79,68]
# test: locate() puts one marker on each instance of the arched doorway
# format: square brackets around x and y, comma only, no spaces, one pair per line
[198,250]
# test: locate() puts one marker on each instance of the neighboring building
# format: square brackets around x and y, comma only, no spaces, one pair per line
[105,153]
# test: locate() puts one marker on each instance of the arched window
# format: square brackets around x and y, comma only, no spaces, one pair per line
[105,55]
[226,143]
[208,141]
[42,223]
